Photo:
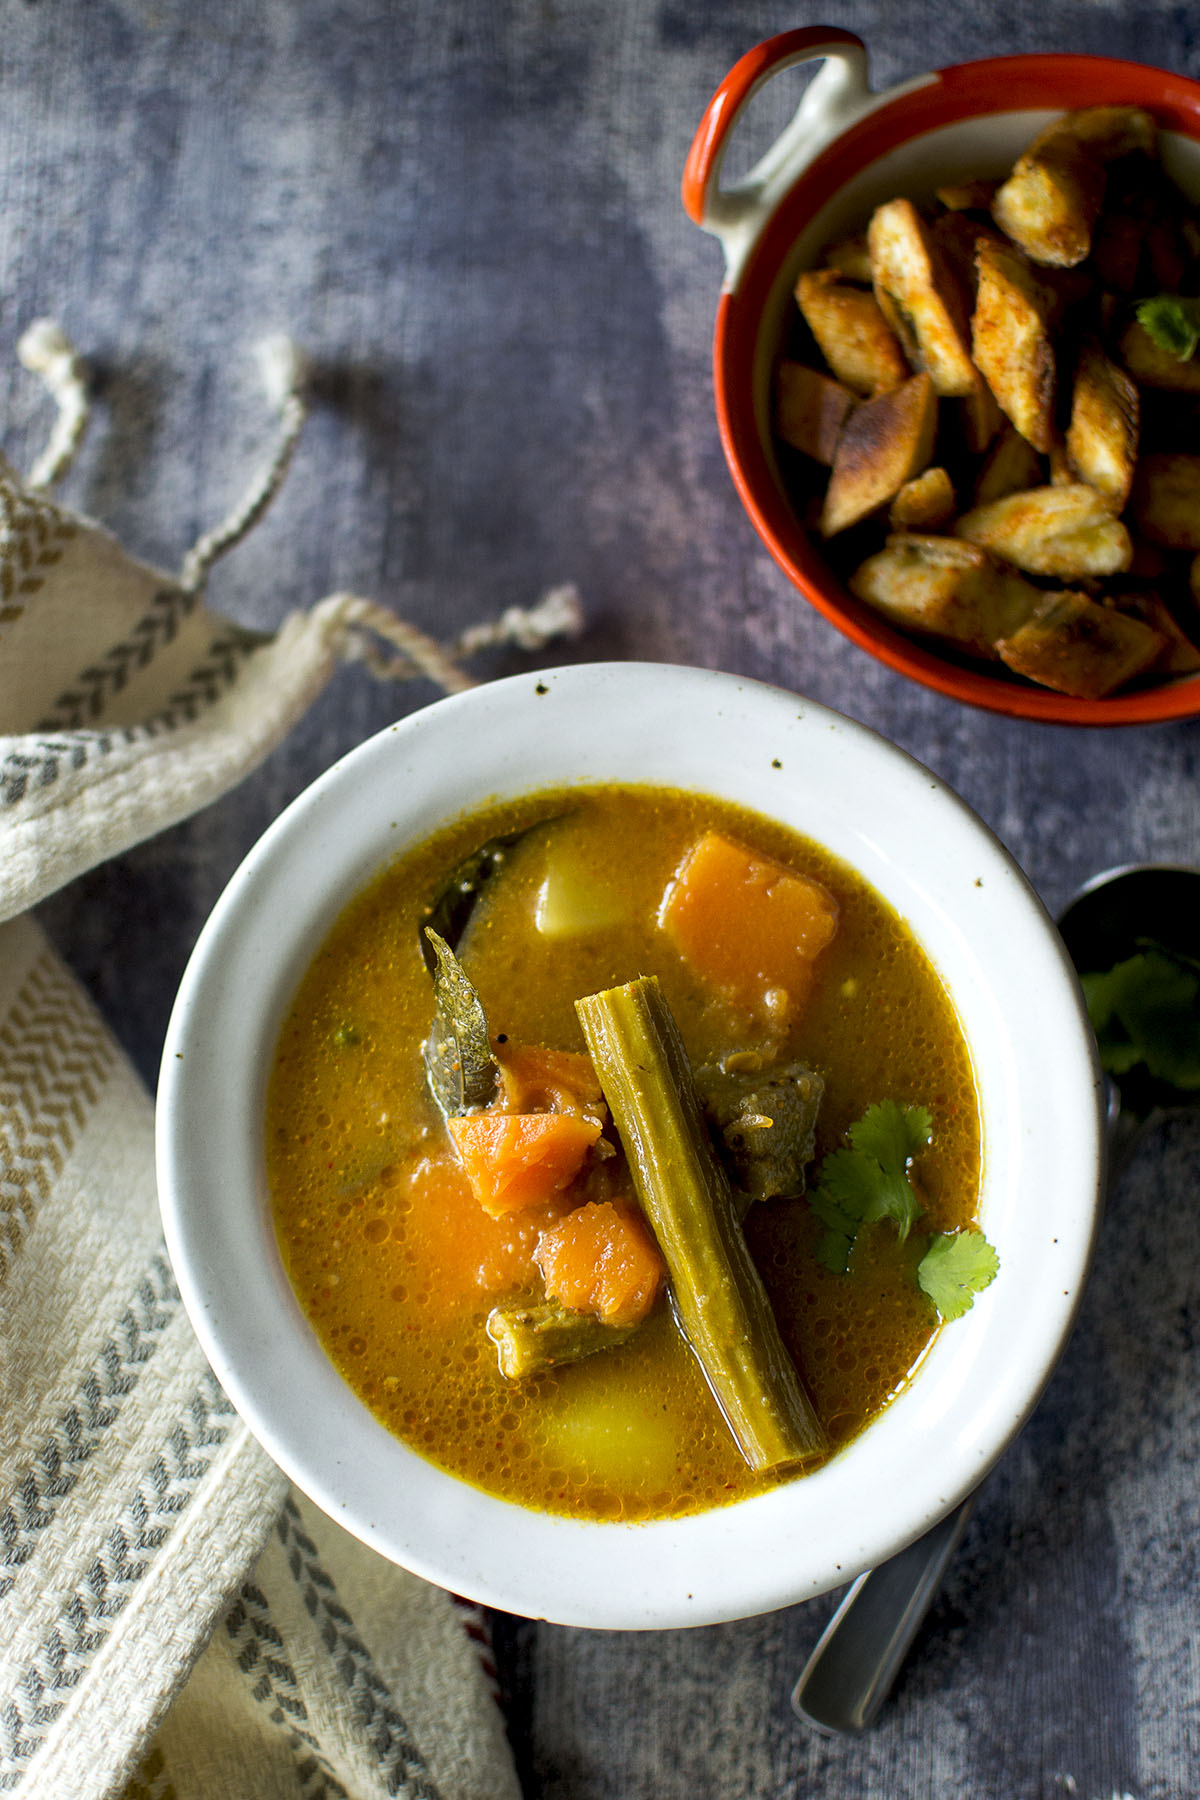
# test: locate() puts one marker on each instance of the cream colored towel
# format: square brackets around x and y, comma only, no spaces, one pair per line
[174,1622]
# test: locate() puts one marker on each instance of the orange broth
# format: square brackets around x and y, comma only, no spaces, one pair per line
[395,1263]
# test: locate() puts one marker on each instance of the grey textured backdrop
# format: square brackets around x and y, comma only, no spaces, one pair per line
[468,213]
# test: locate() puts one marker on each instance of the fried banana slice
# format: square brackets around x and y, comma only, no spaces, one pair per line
[946,589]
[1053,197]
[923,503]
[1012,465]
[1011,343]
[921,297]
[851,258]
[1152,366]
[810,409]
[852,334]
[1165,504]
[1181,652]
[885,442]
[1102,437]
[1067,532]
[1078,647]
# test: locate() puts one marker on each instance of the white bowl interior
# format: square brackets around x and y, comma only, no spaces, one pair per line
[984,930]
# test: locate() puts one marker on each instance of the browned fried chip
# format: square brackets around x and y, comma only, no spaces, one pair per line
[1076,646]
[885,442]
[1102,438]
[810,409]
[1052,199]
[1165,503]
[1067,532]
[1012,465]
[1151,366]
[944,588]
[923,503]
[920,296]
[1010,341]
[852,334]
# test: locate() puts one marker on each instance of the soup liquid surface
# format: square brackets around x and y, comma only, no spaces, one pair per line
[396,1265]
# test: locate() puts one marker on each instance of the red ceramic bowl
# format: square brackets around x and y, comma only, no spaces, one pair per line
[846,150]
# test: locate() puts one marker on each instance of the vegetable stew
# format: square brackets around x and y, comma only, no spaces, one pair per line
[512,1225]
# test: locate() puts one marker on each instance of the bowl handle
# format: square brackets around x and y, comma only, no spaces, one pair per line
[839,94]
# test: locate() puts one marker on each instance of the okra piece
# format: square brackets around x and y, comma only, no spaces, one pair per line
[543,1335]
[716,1291]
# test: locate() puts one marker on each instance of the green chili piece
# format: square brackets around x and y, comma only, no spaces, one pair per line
[716,1291]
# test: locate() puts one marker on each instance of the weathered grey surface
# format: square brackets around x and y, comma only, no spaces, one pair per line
[469,215]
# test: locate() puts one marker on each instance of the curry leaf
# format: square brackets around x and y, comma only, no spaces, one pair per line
[462,1072]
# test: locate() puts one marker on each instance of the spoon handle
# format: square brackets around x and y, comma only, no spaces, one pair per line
[858,1656]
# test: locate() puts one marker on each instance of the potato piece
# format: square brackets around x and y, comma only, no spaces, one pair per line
[852,334]
[947,589]
[885,442]
[923,503]
[1102,437]
[1078,647]
[810,409]
[1063,531]
[1166,499]
[920,296]
[1012,465]
[1154,367]
[1010,341]
[1052,199]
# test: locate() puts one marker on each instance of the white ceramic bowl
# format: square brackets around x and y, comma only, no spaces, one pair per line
[983,928]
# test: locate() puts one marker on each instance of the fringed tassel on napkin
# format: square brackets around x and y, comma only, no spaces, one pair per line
[125,703]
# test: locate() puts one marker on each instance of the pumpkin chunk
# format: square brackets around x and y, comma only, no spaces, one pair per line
[602,1259]
[748,925]
[514,1160]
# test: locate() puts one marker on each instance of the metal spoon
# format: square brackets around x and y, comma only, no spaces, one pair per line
[859,1654]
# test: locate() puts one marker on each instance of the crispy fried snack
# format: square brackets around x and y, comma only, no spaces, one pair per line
[923,503]
[1053,197]
[1054,322]
[1067,532]
[810,410]
[1102,437]
[852,334]
[1166,500]
[945,588]
[920,296]
[886,441]
[1079,647]
[1010,341]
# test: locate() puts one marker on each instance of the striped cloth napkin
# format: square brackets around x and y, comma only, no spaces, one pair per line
[176,1623]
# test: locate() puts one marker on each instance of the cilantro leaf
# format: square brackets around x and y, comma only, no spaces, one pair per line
[869,1181]
[1147,1010]
[1173,322]
[892,1135]
[957,1266]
